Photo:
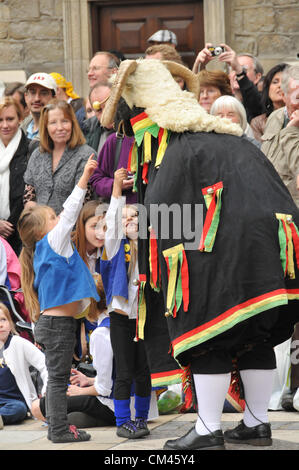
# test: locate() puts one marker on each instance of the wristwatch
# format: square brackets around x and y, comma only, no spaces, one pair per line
[241,74]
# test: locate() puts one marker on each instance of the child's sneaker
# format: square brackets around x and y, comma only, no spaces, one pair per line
[72,435]
[141,424]
[129,430]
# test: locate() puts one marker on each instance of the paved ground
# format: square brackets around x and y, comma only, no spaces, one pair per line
[31,435]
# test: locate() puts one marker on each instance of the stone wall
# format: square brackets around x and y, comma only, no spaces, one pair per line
[31,35]
[53,35]
[267,29]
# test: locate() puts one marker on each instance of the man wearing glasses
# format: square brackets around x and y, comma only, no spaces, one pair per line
[40,88]
[95,134]
[101,67]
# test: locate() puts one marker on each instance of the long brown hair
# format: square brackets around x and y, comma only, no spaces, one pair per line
[77,137]
[79,239]
[31,228]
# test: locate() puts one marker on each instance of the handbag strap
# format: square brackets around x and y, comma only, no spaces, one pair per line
[119,140]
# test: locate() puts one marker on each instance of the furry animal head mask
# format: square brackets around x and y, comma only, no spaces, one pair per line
[149,84]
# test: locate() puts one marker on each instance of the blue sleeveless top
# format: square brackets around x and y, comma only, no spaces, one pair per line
[60,280]
[114,272]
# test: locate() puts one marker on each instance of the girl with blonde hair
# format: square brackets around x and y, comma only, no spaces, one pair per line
[57,285]
[89,399]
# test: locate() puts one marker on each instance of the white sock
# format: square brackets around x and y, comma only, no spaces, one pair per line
[211,390]
[258,386]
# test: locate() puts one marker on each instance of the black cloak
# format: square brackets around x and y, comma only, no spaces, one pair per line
[240,283]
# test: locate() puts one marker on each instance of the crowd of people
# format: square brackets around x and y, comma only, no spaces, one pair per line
[69,166]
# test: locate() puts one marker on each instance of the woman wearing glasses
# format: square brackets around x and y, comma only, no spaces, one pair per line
[56,166]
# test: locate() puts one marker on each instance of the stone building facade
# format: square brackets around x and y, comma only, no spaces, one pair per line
[55,35]
[267,29]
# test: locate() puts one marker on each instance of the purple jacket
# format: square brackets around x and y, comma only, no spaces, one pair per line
[102,179]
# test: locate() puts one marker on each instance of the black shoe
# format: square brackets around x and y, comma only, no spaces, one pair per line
[257,436]
[141,425]
[193,441]
[72,435]
[129,431]
[287,401]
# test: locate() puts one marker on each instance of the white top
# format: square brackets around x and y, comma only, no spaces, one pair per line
[3,264]
[113,237]
[19,356]
[102,360]
[92,259]
[59,237]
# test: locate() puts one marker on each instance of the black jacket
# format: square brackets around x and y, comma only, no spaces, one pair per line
[251,98]
[17,169]
[92,131]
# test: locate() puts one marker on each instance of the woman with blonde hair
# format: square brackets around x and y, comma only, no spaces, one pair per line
[13,163]
[55,168]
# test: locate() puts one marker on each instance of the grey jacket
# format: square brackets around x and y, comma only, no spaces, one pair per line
[51,188]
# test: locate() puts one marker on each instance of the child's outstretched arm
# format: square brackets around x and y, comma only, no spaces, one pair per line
[114,233]
[59,237]
[119,176]
[89,168]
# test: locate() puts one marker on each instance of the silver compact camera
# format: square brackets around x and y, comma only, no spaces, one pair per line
[216,50]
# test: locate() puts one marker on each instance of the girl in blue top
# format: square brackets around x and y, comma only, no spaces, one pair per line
[119,269]
[57,287]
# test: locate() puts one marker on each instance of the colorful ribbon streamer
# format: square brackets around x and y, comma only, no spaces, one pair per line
[288,236]
[212,196]
[178,279]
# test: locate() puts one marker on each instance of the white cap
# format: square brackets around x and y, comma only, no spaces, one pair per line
[42,79]
[163,35]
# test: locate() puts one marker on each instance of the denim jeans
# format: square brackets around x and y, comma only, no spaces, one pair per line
[58,337]
[12,411]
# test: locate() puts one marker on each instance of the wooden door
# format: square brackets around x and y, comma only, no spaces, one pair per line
[127,28]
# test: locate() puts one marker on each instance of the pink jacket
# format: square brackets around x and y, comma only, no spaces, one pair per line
[14,275]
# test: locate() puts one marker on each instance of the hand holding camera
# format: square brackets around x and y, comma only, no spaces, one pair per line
[216,50]
[230,57]
[208,53]
[203,58]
